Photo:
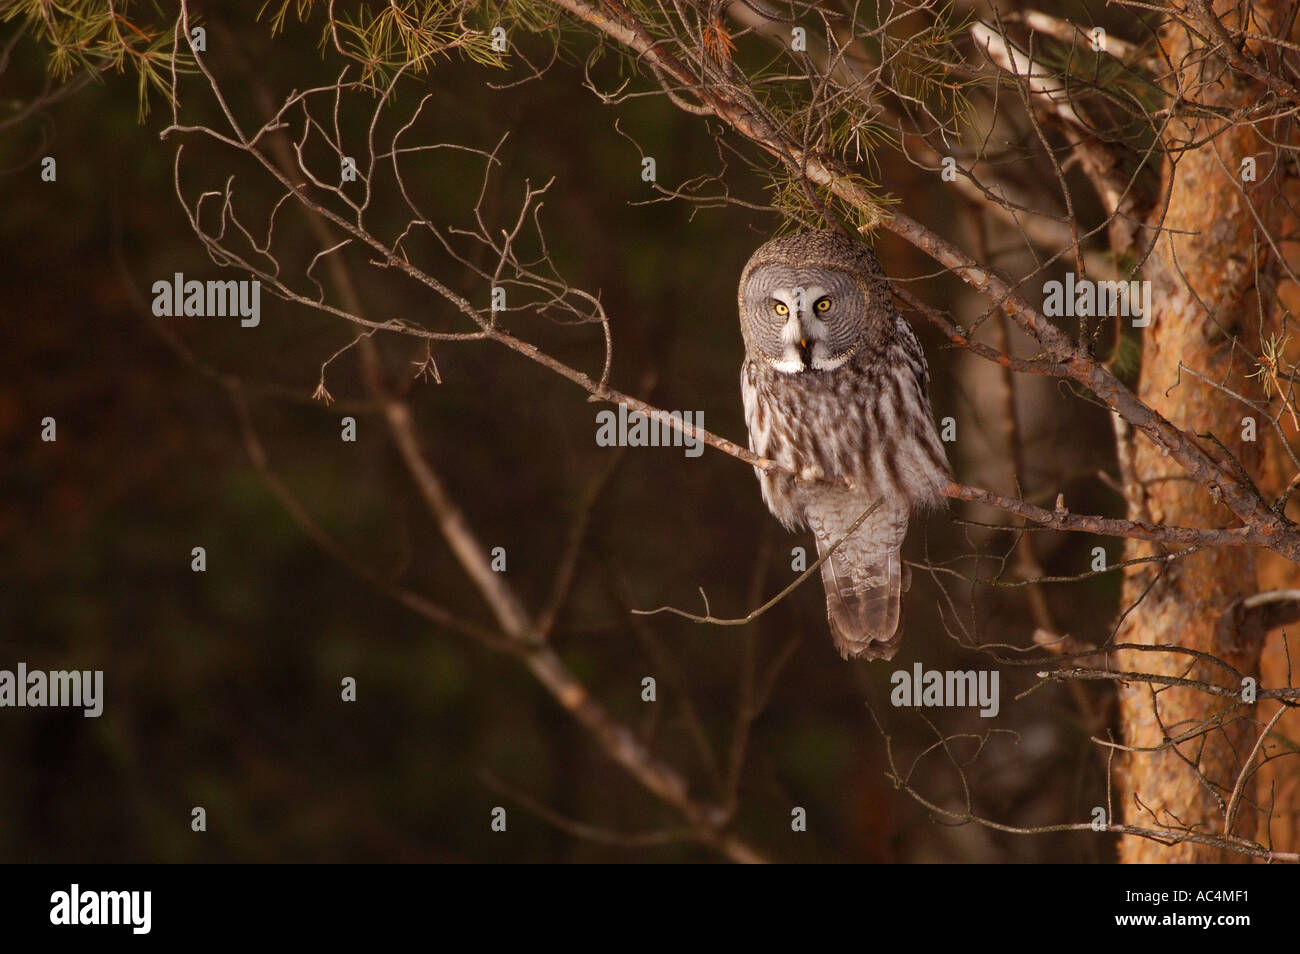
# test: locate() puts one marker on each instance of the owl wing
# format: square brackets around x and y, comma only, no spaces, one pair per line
[865,576]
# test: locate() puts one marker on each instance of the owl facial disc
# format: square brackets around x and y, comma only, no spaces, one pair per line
[803,318]
[806,340]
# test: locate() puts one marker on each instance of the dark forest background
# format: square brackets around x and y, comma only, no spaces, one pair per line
[223,687]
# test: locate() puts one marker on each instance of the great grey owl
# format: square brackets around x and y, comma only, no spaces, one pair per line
[835,386]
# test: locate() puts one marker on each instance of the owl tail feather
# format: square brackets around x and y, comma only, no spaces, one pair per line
[863,606]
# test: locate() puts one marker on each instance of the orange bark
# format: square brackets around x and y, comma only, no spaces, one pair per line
[1209,271]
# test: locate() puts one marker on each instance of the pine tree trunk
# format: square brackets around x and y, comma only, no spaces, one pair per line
[1210,271]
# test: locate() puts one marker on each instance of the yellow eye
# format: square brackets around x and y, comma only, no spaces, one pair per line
[823,304]
[782,308]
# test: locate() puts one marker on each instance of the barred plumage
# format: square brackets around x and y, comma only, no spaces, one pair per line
[835,385]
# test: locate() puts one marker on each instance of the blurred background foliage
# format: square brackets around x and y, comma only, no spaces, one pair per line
[222,687]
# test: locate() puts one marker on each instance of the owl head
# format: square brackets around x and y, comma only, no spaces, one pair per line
[808,301]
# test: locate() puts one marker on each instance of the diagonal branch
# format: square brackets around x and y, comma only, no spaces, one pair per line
[745,119]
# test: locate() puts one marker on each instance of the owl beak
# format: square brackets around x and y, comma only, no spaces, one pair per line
[804,352]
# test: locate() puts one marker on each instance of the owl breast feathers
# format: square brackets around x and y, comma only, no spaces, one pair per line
[836,389]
